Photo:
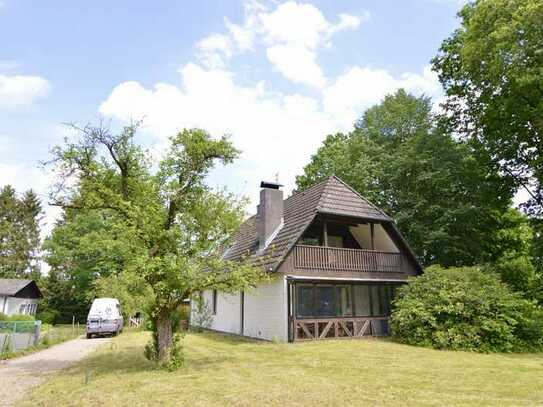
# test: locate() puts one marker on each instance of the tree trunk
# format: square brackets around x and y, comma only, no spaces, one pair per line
[164,337]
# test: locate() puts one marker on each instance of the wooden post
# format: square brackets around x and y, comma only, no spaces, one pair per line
[372,233]
[73,325]
[325,233]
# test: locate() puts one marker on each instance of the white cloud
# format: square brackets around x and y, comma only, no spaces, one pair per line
[277,132]
[214,49]
[292,33]
[21,90]
[361,87]
[297,63]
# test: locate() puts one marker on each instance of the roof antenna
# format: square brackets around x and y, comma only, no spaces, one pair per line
[277,178]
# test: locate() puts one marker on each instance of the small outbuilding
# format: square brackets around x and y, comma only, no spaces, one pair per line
[19,296]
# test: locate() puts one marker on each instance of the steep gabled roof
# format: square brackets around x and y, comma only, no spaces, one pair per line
[330,196]
[12,286]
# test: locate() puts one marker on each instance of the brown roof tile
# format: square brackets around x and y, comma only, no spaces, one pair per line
[330,196]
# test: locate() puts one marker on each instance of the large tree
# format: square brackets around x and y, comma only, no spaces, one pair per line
[84,250]
[448,202]
[492,71]
[20,218]
[172,224]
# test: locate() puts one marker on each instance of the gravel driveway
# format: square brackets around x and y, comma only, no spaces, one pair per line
[18,376]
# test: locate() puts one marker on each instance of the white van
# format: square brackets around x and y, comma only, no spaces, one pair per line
[104,317]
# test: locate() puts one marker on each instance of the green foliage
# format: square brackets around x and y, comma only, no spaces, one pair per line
[149,238]
[465,309]
[447,201]
[518,273]
[87,252]
[129,288]
[3,317]
[492,71]
[20,317]
[19,234]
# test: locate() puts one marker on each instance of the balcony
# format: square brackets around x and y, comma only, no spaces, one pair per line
[340,259]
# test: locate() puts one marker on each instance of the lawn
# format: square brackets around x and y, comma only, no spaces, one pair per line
[223,371]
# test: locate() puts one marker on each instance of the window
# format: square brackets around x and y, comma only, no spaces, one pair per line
[376,300]
[304,301]
[344,301]
[22,309]
[362,307]
[214,302]
[325,304]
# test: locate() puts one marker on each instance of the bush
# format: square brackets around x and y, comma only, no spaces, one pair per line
[3,317]
[47,316]
[20,317]
[465,309]
[517,272]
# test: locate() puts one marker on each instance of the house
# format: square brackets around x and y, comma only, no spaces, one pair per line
[19,296]
[336,260]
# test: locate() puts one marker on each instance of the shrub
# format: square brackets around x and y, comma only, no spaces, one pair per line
[20,317]
[3,317]
[517,272]
[47,316]
[465,309]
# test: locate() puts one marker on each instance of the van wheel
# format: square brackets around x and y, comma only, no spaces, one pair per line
[89,336]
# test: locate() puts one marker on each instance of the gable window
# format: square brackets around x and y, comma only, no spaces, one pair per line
[214,302]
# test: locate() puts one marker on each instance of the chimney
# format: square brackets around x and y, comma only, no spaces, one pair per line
[269,213]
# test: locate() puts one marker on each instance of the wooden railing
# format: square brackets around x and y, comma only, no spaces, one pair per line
[332,258]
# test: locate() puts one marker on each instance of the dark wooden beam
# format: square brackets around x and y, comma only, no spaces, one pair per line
[372,233]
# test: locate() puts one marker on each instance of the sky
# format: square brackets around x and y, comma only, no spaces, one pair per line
[277,77]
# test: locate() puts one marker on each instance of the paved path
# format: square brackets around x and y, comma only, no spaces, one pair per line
[18,376]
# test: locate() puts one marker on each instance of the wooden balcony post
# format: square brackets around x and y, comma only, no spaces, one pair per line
[372,233]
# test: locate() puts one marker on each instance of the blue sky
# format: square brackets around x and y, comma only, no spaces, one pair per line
[276,76]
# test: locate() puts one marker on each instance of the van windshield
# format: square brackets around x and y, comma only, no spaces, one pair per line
[105,310]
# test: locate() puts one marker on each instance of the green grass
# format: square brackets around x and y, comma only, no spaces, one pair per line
[222,371]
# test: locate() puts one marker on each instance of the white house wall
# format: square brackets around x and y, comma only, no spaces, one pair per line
[13,304]
[228,314]
[265,312]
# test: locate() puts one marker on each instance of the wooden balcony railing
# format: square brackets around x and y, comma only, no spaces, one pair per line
[332,258]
